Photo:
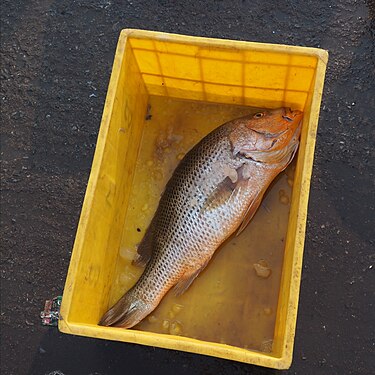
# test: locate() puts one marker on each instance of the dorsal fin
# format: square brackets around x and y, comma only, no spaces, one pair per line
[145,247]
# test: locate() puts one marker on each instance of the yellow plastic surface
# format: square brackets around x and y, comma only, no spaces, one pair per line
[199,69]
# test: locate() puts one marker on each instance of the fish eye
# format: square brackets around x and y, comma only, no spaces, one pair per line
[259,115]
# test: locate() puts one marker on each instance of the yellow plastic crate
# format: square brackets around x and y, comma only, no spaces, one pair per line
[200,69]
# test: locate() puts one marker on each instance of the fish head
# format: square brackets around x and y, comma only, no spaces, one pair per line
[268,136]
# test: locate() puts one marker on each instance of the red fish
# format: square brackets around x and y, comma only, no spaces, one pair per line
[213,193]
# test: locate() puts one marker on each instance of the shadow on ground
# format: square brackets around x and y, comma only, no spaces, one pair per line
[70,355]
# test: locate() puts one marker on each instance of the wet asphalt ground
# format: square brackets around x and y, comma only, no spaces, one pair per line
[56,58]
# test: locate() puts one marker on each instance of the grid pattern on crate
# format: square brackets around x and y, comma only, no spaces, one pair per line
[216,74]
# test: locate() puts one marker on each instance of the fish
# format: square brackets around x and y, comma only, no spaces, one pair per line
[213,194]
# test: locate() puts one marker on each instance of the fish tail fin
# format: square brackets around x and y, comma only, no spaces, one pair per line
[127,312]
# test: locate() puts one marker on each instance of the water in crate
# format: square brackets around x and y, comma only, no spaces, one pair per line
[234,300]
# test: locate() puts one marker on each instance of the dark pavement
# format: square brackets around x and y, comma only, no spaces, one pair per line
[56,58]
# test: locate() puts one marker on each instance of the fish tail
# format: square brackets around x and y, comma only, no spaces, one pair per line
[127,312]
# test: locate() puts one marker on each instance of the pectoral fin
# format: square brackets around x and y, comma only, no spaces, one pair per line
[229,187]
[223,192]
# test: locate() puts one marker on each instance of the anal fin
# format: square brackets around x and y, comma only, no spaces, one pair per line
[187,279]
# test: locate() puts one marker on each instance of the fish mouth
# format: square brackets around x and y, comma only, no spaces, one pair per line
[270,135]
[294,143]
[291,115]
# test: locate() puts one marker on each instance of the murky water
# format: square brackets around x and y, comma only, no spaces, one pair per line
[234,300]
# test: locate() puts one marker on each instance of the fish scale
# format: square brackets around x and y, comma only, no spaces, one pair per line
[215,189]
